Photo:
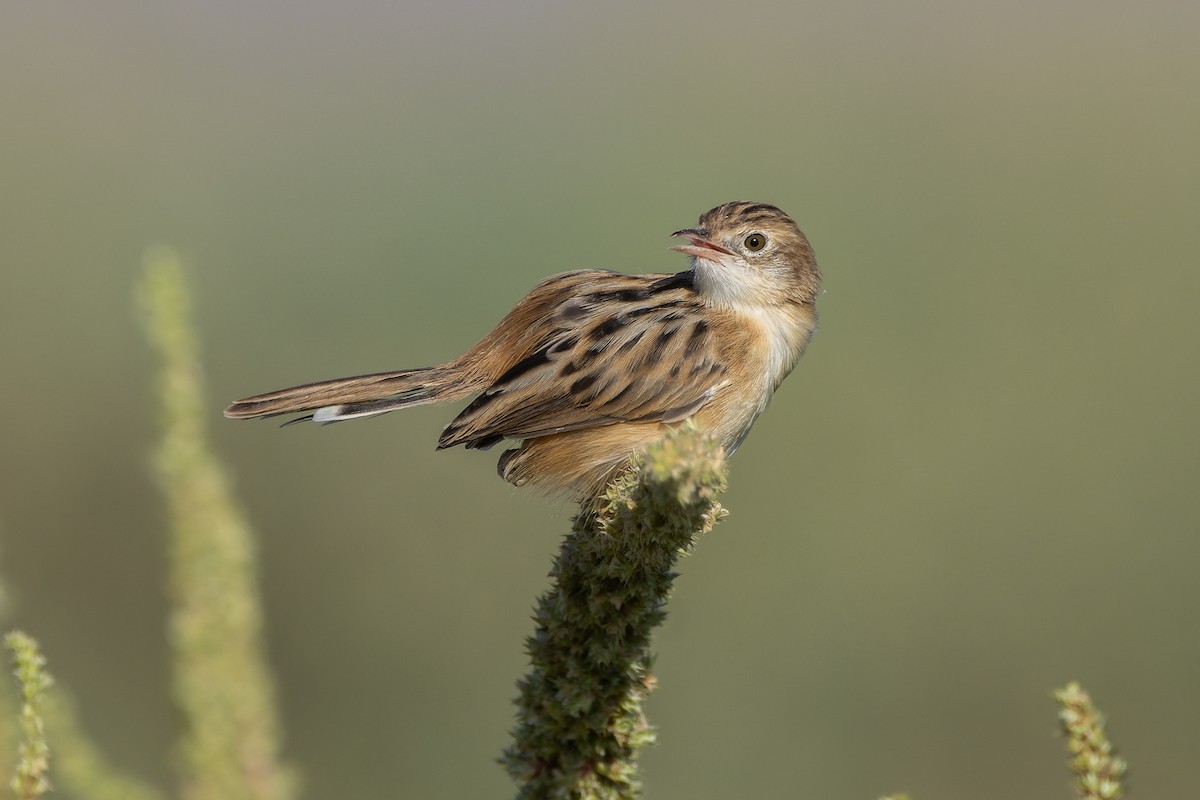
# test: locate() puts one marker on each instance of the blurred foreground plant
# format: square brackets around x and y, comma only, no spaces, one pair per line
[1098,770]
[580,725]
[47,714]
[231,744]
[33,754]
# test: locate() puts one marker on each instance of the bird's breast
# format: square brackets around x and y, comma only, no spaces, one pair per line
[770,342]
[781,334]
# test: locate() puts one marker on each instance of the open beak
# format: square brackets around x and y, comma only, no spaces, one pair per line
[700,246]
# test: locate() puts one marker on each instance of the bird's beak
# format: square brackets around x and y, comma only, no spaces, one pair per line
[700,246]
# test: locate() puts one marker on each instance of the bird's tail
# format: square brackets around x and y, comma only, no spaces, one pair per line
[358,396]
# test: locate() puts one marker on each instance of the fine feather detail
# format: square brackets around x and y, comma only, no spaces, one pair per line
[591,365]
[629,348]
[375,394]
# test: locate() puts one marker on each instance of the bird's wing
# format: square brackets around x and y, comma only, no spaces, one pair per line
[622,348]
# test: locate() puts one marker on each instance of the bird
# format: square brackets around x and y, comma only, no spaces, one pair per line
[592,366]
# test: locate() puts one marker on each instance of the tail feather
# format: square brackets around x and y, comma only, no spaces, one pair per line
[358,396]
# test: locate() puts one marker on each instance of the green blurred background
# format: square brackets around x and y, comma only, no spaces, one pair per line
[980,483]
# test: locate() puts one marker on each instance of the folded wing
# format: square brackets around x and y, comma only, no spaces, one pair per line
[630,349]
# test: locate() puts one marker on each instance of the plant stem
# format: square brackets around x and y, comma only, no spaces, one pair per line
[580,724]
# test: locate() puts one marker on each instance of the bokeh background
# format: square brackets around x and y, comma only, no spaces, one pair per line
[980,483]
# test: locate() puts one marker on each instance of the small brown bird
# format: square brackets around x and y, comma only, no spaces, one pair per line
[592,366]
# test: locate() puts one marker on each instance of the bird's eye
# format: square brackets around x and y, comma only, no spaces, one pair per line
[755,242]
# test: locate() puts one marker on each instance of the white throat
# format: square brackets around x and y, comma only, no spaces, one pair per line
[735,285]
[786,327]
